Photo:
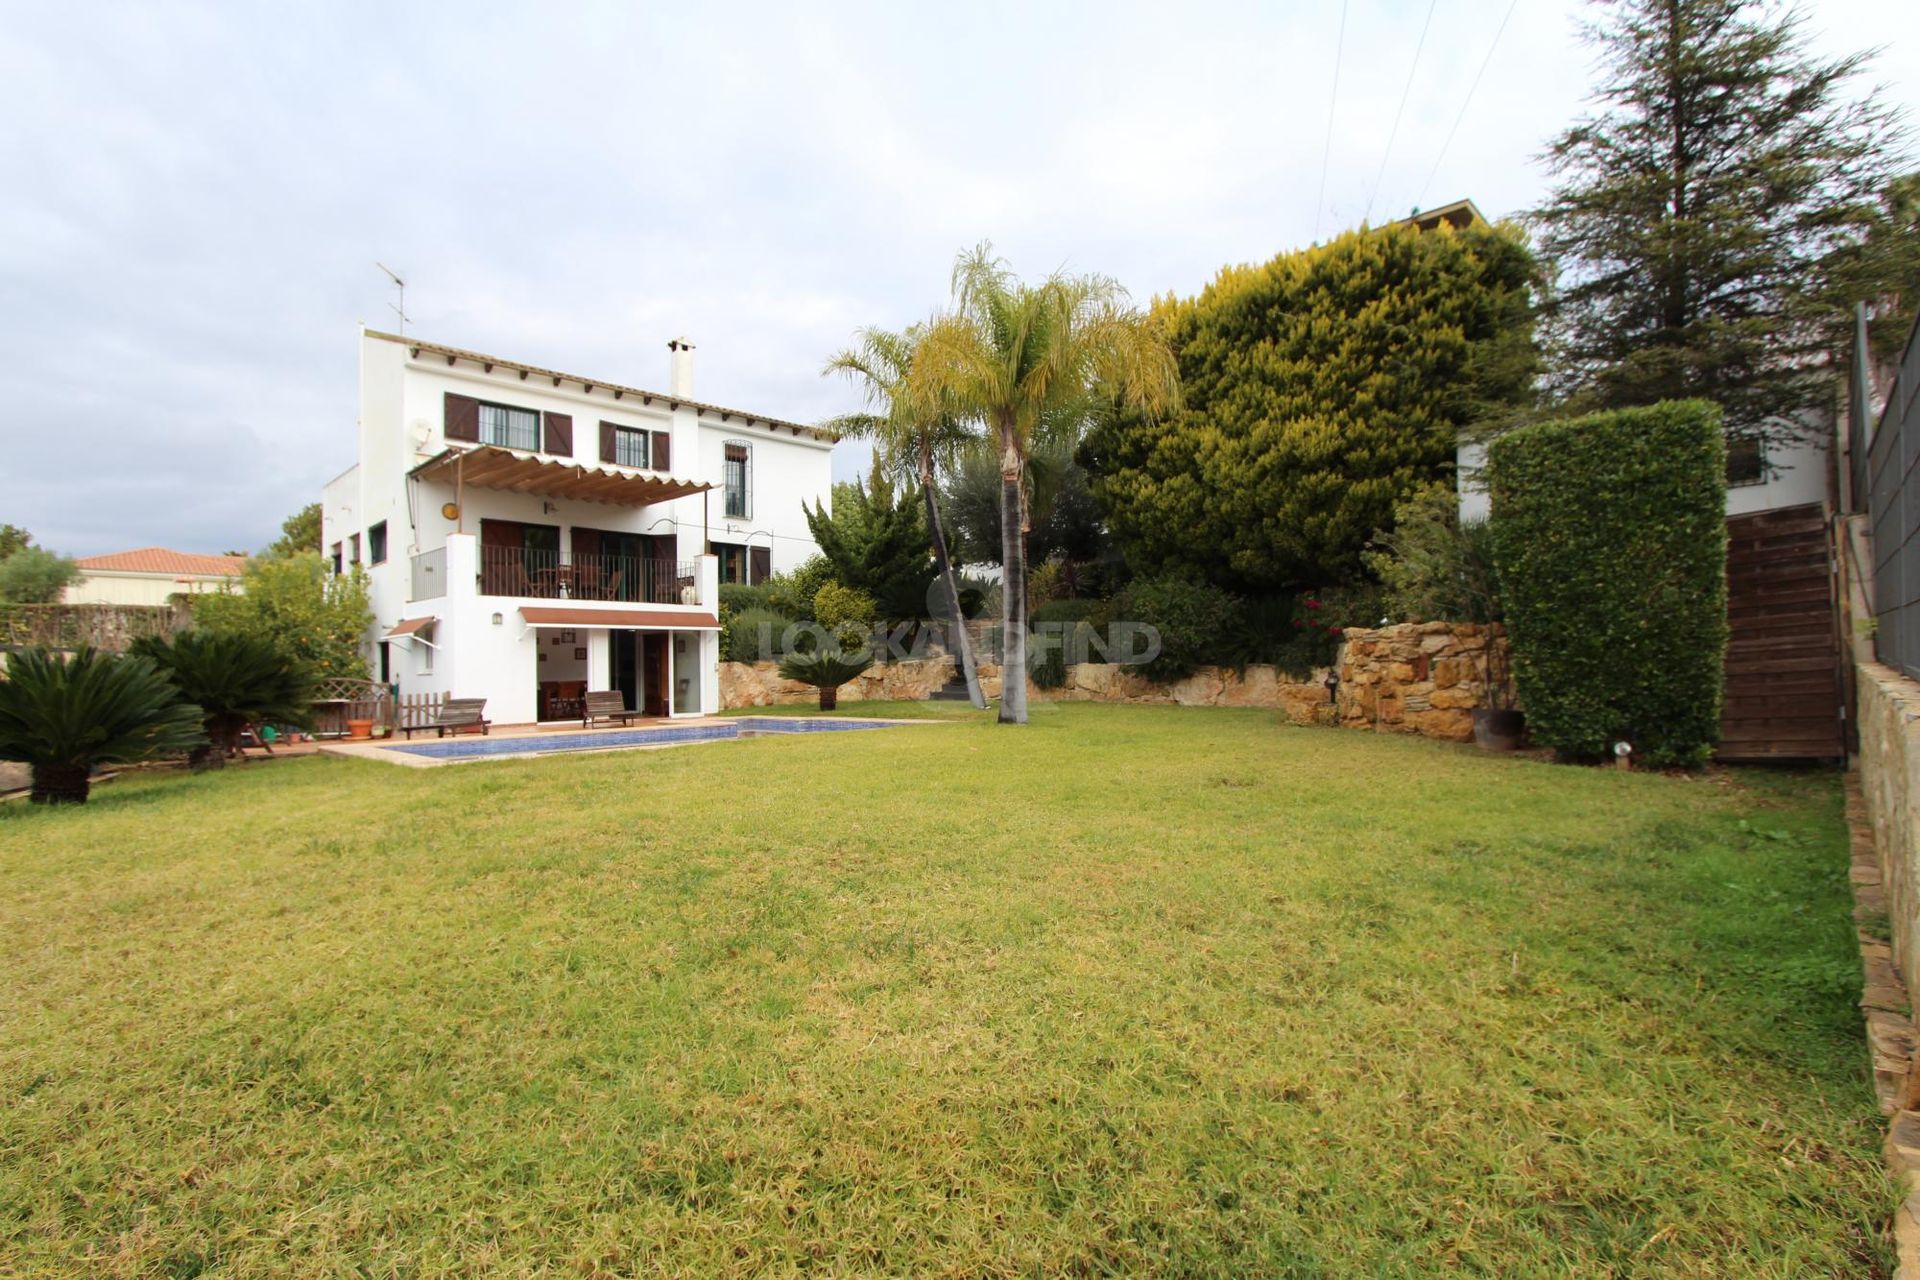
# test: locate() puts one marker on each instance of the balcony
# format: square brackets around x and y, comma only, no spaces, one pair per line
[542,575]
[429,580]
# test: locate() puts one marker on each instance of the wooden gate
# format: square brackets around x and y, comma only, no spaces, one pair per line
[1783,698]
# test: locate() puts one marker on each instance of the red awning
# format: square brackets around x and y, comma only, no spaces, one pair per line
[410,627]
[650,619]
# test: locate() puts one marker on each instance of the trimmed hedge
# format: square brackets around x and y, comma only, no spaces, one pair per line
[1610,538]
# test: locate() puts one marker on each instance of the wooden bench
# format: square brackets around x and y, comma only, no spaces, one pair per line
[607,704]
[454,715]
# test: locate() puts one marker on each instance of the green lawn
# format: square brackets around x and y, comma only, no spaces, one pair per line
[1133,990]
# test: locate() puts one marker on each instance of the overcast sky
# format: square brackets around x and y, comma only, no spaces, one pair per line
[192,197]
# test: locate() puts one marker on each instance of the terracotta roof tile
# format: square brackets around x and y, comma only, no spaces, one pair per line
[161,560]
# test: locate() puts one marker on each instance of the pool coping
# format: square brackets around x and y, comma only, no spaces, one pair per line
[392,751]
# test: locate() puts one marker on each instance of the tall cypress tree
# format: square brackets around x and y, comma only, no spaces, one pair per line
[1710,214]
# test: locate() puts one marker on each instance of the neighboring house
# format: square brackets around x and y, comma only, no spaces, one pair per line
[530,536]
[151,575]
[1759,477]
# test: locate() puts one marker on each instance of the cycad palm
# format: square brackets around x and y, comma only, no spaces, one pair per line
[236,679]
[916,437]
[61,716]
[1029,362]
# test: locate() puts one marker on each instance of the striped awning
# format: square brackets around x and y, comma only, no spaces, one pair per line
[489,466]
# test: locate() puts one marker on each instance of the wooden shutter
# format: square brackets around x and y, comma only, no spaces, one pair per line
[463,418]
[759,564]
[606,442]
[662,451]
[559,434]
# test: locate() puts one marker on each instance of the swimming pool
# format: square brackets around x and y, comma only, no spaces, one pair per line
[608,740]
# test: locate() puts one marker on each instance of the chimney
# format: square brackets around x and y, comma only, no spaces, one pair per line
[680,369]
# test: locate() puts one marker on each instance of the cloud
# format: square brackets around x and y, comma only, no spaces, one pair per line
[195,195]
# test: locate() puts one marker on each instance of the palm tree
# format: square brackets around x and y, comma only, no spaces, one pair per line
[235,679]
[1030,363]
[61,716]
[917,439]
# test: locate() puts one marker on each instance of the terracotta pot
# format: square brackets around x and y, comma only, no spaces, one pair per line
[358,729]
[1498,730]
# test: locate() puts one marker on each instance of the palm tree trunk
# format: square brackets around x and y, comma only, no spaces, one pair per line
[956,618]
[60,784]
[1013,586]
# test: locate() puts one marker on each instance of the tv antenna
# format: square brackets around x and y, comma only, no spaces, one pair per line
[398,308]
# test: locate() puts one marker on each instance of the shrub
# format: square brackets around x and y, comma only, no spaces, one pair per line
[791,593]
[235,680]
[752,635]
[825,671]
[317,618]
[845,613]
[63,716]
[1434,567]
[34,575]
[739,597]
[1196,622]
[1610,536]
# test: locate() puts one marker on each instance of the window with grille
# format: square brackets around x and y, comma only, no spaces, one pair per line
[632,447]
[738,465]
[510,428]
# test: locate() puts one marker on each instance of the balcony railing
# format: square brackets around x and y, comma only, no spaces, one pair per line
[429,575]
[542,575]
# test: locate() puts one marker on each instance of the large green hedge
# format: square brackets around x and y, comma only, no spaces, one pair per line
[1610,537]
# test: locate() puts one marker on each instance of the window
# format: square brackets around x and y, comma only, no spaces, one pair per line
[632,447]
[741,563]
[736,474]
[338,566]
[423,645]
[377,544]
[733,561]
[1746,461]
[510,428]
[353,549]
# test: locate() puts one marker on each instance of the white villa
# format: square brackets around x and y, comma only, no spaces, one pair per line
[530,536]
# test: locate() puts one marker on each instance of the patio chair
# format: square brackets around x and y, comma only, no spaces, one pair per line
[606,704]
[454,715]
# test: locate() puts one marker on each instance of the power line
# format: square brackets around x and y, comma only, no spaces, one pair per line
[1404,95]
[1500,30]
[1326,152]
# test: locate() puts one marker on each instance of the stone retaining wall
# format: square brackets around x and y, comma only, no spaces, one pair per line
[1418,677]
[759,684]
[1422,678]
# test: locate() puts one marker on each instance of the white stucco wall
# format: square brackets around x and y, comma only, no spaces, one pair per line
[401,425]
[107,587]
[1797,475]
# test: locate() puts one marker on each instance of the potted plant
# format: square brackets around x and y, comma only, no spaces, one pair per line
[826,671]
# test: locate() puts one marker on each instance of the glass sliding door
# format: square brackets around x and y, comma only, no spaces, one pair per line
[686,673]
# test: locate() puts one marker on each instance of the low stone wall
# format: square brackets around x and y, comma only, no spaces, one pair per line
[1418,677]
[1888,719]
[1423,677]
[1304,701]
[759,684]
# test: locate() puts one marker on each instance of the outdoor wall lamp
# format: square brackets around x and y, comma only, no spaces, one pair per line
[497,619]
[1333,685]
